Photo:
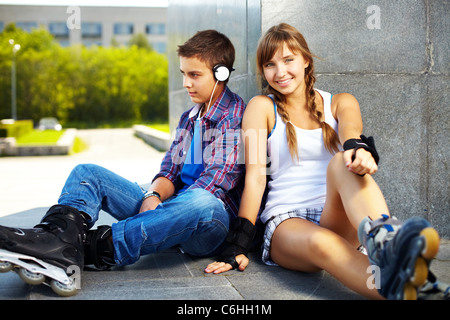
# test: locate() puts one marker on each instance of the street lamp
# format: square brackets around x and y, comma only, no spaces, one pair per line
[15,48]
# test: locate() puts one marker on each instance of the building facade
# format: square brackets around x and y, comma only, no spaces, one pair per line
[103,26]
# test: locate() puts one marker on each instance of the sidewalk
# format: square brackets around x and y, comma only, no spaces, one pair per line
[170,275]
[176,276]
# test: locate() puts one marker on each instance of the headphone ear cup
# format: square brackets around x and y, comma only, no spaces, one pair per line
[221,72]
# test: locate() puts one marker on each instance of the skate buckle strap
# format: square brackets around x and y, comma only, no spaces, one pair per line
[47,226]
[383,229]
[384,221]
[98,241]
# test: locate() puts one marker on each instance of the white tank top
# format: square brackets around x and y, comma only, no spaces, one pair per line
[297,184]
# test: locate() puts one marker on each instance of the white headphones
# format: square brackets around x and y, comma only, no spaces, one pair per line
[221,72]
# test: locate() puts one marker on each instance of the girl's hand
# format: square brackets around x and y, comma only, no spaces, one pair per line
[219,267]
[360,162]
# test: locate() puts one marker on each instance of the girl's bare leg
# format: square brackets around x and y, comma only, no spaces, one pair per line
[301,245]
[350,198]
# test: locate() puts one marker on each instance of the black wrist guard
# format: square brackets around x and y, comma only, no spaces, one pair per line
[365,143]
[239,240]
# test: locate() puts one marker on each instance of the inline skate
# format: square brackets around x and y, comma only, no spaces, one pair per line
[401,251]
[51,253]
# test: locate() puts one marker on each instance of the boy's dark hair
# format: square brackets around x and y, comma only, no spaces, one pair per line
[210,47]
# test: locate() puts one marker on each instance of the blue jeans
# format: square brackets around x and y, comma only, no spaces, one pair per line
[195,219]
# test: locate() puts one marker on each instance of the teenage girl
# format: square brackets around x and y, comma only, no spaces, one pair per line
[321,196]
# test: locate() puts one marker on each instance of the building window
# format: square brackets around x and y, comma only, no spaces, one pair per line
[2,26]
[155,28]
[123,28]
[58,29]
[64,42]
[159,47]
[91,29]
[91,42]
[27,26]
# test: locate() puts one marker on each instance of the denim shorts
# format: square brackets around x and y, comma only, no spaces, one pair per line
[310,214]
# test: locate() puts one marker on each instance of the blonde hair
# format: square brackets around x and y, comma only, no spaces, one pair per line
[273,40]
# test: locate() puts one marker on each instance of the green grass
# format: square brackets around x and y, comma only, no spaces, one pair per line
[164,127]
[78,146]
[37,137]
[49,137]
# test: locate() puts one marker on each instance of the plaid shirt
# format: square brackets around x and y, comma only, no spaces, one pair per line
[221,149]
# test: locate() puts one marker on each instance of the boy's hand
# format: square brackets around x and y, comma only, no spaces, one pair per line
[219,267]
[149,204]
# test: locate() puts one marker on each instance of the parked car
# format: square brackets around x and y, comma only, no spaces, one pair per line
[49,124]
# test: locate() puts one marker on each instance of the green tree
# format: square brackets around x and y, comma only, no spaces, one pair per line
[140,40]
[89,86]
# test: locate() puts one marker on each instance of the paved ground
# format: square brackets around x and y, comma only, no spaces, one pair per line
[29,185]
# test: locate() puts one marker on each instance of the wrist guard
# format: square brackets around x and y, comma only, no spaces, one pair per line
[365,143]
[239,240]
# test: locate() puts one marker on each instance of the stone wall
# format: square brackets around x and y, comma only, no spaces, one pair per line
[393,56]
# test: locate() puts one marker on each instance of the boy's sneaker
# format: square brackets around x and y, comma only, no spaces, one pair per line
[402,252]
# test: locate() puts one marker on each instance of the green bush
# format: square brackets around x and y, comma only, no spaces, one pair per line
[76,84]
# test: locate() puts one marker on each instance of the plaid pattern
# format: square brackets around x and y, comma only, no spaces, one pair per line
[220,150]
[310,214]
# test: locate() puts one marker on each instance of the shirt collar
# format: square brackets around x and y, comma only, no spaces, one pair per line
[217,109]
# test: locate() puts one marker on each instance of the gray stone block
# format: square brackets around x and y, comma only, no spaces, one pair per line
[396,112]
[347,37]
[439,153]
[439,41]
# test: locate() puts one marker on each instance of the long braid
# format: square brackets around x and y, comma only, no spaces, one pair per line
[330,137]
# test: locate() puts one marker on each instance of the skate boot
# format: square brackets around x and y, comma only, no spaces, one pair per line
[99,249]
[402,252]
[47,253]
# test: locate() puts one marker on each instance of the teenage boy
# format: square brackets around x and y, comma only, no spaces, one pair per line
[191,201]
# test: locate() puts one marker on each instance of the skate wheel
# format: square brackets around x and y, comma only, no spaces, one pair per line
[31,277]
[431,243]
[5,266]
[62,289]
[409,292]
[420,272]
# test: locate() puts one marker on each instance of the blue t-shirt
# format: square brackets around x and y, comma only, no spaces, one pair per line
[193,164]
